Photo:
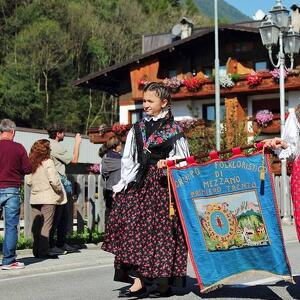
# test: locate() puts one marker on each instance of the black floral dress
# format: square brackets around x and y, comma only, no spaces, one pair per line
[146,242]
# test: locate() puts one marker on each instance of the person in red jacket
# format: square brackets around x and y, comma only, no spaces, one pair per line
[14,164]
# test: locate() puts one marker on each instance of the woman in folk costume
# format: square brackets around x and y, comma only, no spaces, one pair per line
[148,243]
[289,147]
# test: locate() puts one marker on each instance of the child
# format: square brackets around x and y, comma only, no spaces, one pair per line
[147,243]
[110,153]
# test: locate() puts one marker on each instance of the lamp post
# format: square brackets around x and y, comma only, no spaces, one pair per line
[217,80]
[275,30]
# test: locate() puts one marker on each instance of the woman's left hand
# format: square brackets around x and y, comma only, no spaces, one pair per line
[161,164]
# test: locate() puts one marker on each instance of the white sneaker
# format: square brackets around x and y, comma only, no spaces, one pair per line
[14,266]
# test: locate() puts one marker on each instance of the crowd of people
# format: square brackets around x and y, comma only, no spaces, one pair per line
[50,188]
[143,229]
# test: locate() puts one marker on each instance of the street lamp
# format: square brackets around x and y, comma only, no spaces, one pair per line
[272,30]
[217,80]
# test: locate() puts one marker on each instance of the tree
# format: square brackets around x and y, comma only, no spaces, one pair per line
[19,97]
[45,46]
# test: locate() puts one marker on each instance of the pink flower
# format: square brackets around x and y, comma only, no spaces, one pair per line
[276,73]
[95,168]
[254,79]
[263,117]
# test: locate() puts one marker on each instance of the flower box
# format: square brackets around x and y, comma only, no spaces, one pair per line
[272,127]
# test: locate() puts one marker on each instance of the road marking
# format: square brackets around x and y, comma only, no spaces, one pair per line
[260,281]
[55,272]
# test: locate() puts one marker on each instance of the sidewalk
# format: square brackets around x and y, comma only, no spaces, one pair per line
[289,233]
[89,257]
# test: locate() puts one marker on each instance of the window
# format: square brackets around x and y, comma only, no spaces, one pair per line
[270,104]
[261,66]
[209,112]
[222,70]
[207,71]
[135,115]
[172,73]
[243,46]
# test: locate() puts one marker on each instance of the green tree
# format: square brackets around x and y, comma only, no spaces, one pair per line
[19,97]
[45,46]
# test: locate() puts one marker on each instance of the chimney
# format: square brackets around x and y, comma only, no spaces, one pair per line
[186,27]
[295,17]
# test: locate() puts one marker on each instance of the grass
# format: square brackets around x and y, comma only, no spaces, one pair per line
[76,238]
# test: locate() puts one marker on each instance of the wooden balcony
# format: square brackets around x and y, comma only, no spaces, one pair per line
[267,85]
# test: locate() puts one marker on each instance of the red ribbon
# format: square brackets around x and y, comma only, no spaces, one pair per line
[170,163]
[190,160]
[236,151]
[213,155]
[259,145]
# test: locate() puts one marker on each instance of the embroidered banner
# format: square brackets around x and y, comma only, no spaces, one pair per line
[230,219]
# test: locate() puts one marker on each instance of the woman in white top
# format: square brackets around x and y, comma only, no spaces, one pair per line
[147,243]
[289,148]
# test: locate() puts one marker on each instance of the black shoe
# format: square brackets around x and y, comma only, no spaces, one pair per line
[141,293]
[158,294]
[47,256]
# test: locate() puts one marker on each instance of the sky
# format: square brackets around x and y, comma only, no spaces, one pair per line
[249,7]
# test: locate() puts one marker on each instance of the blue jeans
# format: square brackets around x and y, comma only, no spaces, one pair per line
[10,200]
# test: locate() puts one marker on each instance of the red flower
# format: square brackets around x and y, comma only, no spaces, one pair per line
[142,83]
[159,140]
[119,129]
[193,84]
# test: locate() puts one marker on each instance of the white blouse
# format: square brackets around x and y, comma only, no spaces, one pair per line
[291,136]
[130,163]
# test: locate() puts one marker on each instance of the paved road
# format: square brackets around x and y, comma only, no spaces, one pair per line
[88,275]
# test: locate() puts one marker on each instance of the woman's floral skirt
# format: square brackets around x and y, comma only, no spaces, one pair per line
[145,241]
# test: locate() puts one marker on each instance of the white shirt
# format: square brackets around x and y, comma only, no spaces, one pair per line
[291,136]
[130,163]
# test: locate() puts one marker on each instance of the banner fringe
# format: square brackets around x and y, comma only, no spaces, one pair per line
[221,283]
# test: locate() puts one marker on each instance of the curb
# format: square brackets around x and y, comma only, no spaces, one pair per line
[27,271]
[91,257]
[88,246]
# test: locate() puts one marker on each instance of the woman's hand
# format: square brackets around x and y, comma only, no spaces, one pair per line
[161,164]
[275,143]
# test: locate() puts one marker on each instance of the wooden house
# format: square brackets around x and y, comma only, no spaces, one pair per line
[165,56]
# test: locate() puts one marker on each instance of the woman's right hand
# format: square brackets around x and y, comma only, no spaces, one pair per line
[162,163]
[275,143]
